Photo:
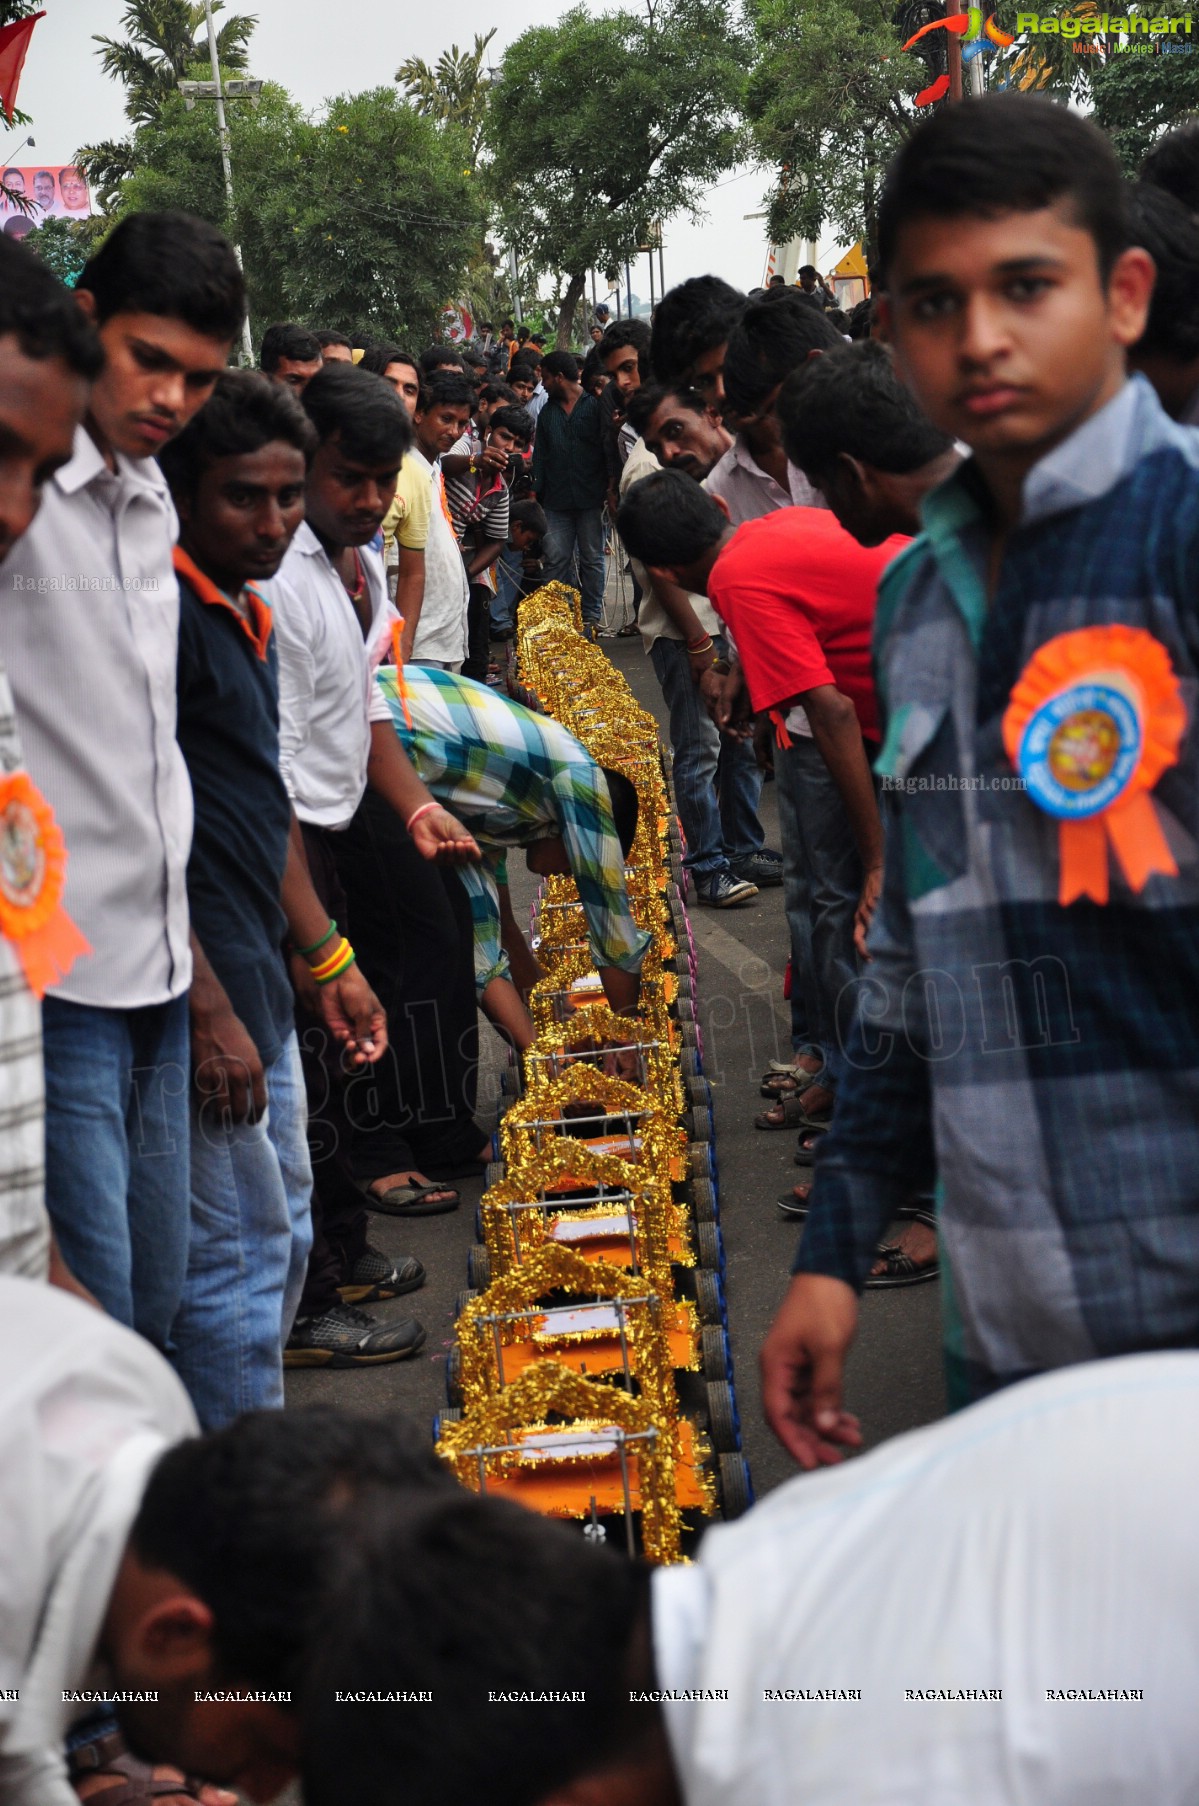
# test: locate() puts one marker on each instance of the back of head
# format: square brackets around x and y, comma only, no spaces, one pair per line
[447,389]
[669,519]
[1170,234]
[853,403]
[42,314]
[498,393]
[528,514]
[362,412]
[524,369]
[244,412]
[773,337]
[249,1519]
[379,357]
[325,339]
[1173,164]
[1006,153]
[514,420]
[170,264]
[466,1598]
[440,357]
[284,340]
[690,320]
[560,363]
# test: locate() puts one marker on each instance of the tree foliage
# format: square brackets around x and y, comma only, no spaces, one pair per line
[454,91]
[363,220]
[599,127]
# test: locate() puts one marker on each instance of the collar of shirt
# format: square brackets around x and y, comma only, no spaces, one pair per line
[255,623]
[87,465]
[754,490]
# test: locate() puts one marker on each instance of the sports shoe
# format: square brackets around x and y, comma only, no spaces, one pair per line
[761,868]
[723,890]
[347,1337]
[376,1276]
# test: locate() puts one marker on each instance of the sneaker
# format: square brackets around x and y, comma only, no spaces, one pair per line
[375,1276]
[761,868]
[723,890]
[347,1337]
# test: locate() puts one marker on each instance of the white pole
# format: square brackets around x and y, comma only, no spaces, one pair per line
[222,126]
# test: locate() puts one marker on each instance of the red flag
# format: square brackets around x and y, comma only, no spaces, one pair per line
[14,42]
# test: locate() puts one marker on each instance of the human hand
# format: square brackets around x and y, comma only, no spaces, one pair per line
[442,839]
[872,886]
[226,1068]
[354,1016]
[803,1366]
[720,690]
[493,458]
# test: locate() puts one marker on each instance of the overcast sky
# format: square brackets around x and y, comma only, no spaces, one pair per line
[317,50]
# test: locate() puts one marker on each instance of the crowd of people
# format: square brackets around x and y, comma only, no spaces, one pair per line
[934,567]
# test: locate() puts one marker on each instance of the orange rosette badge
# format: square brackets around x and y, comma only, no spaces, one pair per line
[33,864]
[1094,720]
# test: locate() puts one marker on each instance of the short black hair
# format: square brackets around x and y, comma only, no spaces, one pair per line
[504,323]
[669,519]
[43,315]
[379,357]
[285,340]
[245,411]
[690,320]
[1006,153]
[861,318]
[772,337]
[1170,234]
[636,333]
[448,389]
[171,264]
[440,357]
[853,402]
[325,339]
[517,421]
[499,392]
[537,338]
[625,806]
[464,1597]
[528,514]
[249,1518]
[525,364]
[1173,164]
[650,396]
[362,412]
[561,363]
[807,269]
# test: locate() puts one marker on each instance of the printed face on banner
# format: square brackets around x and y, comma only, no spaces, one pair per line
[55,191]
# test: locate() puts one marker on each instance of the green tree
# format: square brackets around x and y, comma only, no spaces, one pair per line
[66,245]
[455,91]
[599,127]
[160,48]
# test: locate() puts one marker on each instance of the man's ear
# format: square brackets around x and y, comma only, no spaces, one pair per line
[664,573]
[86,303]
[173,1637]
[722,504]
[882,317]
[1129,292]
[816,351]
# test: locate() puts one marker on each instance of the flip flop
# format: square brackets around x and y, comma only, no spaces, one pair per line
[412,1200]
[902,1270]
[809,1141]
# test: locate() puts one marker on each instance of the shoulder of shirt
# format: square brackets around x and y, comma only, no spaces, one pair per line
[897,579]
[721,470]
[639,463]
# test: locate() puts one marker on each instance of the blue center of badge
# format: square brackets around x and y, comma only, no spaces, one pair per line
[1080,749]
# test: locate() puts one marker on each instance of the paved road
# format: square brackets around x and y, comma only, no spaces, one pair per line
[894,1378]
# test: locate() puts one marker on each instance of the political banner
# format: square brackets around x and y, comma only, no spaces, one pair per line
[53,191]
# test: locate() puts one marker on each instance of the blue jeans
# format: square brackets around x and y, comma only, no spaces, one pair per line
[117,1154]
[717,783]
[508,573]
[577,535]
[251,1232]
[822,881]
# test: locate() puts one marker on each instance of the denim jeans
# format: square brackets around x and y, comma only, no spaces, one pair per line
[577,536]
[822,881]
[251,1232]
[509,571]
[717,783]
[117,1154]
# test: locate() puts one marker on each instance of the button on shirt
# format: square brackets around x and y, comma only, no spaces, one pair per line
[89,631]
[1048,1549]
[326,698]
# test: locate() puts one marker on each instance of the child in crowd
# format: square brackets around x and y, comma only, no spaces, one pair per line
[518,570]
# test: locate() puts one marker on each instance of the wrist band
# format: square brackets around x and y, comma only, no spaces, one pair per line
[698,646]
[316,946]
[417,813]
[345,959]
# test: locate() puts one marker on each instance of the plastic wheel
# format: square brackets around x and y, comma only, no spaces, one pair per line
[685,1008]
[699,1159]
[478,1267]
[709,1299]
[493,1173]
[690,1035]
[698,1089]
[703,1199]
[447,1414]
[736,1488]
[689,1066]
[462,1300]
[699,1125]
[453,1374]
[724,1425]
[714,1353]
[709,1248]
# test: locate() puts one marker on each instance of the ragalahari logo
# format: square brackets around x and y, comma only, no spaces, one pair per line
[982,38]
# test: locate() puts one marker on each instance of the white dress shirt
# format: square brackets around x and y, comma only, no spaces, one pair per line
[86,1409]
[440,637]
[751,491]
[24,1224]
[89,631]
[963,1597]
[327,697]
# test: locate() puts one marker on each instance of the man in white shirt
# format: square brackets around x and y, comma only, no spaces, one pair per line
[175,1576]
[442,417]
[89,619]
[1035,1643]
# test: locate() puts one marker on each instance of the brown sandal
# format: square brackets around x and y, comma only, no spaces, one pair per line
[137,1780]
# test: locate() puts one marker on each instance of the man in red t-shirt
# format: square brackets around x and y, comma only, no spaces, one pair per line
[797,594]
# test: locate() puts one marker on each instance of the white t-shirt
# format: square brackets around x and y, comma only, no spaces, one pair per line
[1041,1546]
[440,636]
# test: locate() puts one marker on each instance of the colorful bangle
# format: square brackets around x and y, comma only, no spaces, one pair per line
[417,813]
[345,959]
[327,964]
[316,946]
[698,646]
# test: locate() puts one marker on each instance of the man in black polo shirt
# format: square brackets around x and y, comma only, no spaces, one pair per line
[237,475]
[570,475]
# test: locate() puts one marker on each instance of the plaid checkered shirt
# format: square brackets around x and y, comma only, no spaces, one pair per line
[512,777]
[1041,1061]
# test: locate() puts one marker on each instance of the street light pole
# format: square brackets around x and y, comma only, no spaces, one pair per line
[222,126]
